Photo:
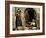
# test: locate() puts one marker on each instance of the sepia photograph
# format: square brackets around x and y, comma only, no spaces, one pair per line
[25,18]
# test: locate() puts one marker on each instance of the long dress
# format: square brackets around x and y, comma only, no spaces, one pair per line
[18,20]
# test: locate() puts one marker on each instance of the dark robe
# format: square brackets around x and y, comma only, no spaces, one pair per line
[31,14]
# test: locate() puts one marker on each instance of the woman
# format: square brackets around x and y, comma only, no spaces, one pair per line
[30,15]
[18,18]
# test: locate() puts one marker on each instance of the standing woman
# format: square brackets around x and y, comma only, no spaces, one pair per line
[18,18]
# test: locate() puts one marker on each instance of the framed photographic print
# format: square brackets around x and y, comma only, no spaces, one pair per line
[24,18]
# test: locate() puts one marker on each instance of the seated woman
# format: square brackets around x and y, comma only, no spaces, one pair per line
[30,15]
